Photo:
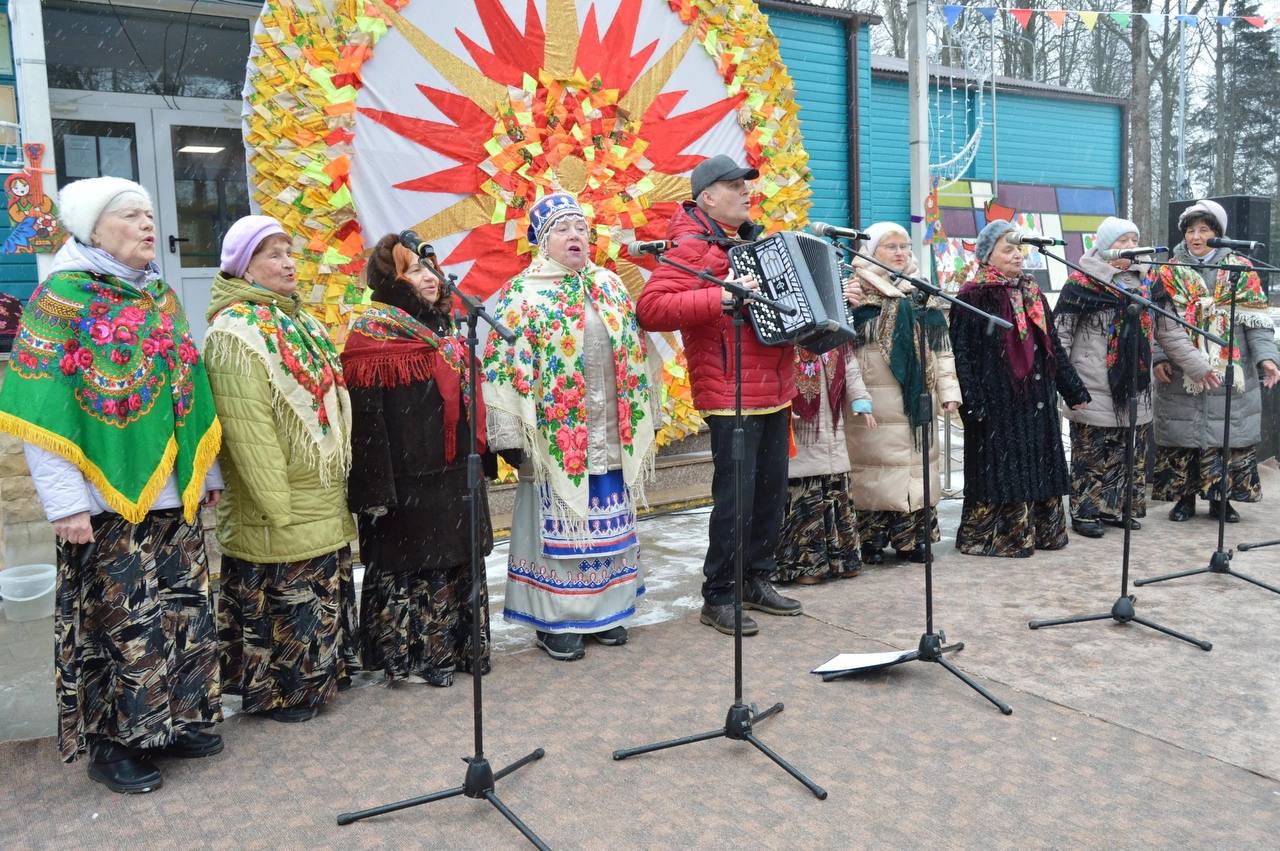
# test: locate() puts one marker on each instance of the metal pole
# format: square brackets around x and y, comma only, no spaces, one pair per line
[918,96]
[1180,178]
[995,134]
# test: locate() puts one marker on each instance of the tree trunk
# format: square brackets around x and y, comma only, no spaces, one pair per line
[1140,122]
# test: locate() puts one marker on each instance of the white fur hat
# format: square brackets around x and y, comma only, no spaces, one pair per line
[82,203]
[1205,207]
[879,231]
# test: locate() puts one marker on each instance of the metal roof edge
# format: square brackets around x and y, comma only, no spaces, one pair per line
[893,66]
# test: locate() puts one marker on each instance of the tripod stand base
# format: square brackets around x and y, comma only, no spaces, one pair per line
[1123,612]
[737,725]
[1219,562]
[931,649]
[479,783]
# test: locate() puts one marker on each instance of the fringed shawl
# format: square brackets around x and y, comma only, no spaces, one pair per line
[540,381]
[1211,310]
[387,348]
[310,398]
[886,321]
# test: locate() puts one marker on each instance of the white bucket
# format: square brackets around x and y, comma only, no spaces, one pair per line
[28,591]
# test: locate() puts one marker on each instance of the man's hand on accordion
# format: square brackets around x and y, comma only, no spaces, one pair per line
[747,282]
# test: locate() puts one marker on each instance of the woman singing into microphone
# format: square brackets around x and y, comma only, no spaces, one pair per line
[1015,472]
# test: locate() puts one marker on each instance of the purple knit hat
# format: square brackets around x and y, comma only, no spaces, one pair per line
[243,239]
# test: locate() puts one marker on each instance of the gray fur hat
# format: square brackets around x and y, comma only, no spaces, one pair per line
[989,236]
[1111,229]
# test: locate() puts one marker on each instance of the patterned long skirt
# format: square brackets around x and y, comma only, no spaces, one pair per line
[558,585]
[1198,472]
[1011,529]
[286,630]
[411,622]
[902,530]
[1097,471]
[819,530]
[135,651]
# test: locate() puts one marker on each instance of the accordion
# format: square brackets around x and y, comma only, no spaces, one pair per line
[802,272]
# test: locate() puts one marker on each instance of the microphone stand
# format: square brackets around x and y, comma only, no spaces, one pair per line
[932,643]
[741,718]
[480,777]
[1122,611]
[1220,560]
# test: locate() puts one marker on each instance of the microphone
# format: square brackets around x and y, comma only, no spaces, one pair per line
[824,229]
[657,246]
[1131,253]
[1022,237]
[1244,245]
[414,243]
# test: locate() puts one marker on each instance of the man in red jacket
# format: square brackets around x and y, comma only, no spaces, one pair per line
[677,301]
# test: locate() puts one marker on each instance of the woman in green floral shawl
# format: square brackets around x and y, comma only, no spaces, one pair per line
[108,391]
[286,615]
[574,396]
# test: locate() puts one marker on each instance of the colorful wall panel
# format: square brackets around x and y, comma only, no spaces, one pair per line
[1069,213]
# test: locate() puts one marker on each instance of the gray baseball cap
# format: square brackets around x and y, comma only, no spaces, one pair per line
[716,169]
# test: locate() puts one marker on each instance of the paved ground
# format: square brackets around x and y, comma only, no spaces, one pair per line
[1121,737]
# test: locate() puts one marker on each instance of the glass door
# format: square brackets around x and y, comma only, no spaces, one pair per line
[191,161]
[201,171]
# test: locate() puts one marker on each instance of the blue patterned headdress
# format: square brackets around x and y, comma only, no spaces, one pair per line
[550,210]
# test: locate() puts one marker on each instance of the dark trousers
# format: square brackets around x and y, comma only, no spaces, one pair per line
[764,493]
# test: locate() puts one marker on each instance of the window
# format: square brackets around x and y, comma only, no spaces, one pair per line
[141,51]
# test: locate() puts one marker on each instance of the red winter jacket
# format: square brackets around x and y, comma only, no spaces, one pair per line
[676,301]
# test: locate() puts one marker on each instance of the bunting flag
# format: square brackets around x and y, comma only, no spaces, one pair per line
[1088,17]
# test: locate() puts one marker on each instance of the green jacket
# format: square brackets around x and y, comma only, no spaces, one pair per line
[277,507]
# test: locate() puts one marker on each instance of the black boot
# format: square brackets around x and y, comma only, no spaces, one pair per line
[1088,526]
[121,768]
[294,714]
[871,554]
[1183,509]
[193,744]
[615,637]
[562,646]
[1118,522]
[1215,508]
[441,677]
[720,618]
[763,597]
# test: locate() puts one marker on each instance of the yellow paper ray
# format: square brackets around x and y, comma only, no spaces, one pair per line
[471,212]
[631,276]
[669,187]
[650,84]
[562,38]
[485,93]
